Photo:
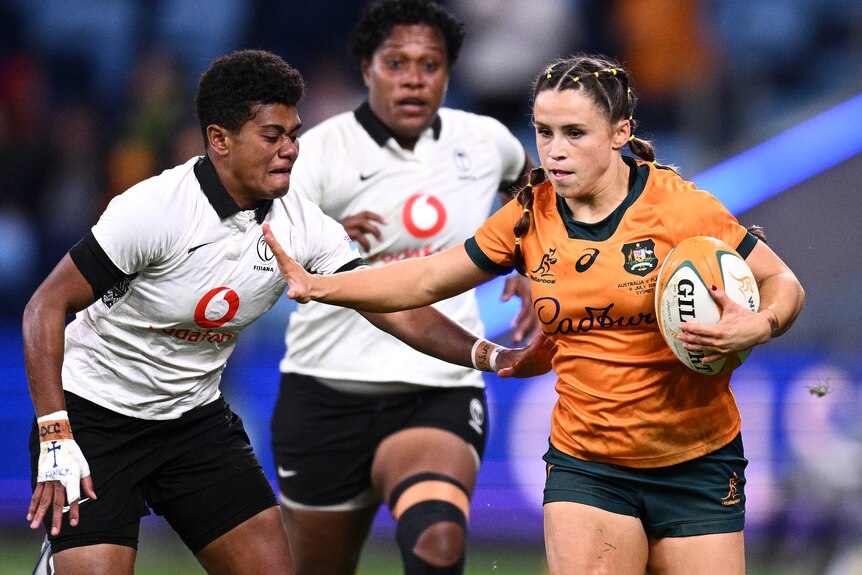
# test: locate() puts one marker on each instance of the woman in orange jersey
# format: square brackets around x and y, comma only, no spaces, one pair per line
[646,469]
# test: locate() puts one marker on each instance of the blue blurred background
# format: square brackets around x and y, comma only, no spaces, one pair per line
[757,102]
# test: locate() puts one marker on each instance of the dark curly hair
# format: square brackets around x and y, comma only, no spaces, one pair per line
[234,85]
[377,20]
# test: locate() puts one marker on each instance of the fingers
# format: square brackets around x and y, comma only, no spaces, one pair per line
[524,323]
[359,225]
[33,515]
[87,484]
[57,507]
[273,244]
[47,495]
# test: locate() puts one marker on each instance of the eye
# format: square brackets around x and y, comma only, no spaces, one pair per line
[431,66]
[575,134]
[270,139]
[544,132]
[394,63]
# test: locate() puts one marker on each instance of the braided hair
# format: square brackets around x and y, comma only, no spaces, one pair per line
[608,84]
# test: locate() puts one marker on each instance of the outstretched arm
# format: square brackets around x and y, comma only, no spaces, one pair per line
[429,331]
[402,285]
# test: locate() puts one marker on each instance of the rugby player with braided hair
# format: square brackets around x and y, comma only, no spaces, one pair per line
[645,467]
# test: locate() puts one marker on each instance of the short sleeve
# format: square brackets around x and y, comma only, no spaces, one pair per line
[492,247]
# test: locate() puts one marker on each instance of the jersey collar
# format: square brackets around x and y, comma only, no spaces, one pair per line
[379,131]
[219,199]
[601,231]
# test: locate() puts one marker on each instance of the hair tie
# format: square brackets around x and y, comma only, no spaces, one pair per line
[526,210]
[632,137]
[517,241]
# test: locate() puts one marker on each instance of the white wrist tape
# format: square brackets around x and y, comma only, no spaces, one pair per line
[51,416]
[492,360]
[484,355]
[60,458]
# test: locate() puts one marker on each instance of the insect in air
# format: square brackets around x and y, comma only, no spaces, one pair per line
[820,390]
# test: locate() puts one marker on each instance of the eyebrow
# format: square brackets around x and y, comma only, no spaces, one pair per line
[281,129]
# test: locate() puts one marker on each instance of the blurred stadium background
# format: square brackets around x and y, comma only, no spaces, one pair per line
[758,102]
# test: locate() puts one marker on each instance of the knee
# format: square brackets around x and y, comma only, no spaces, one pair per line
[432,536]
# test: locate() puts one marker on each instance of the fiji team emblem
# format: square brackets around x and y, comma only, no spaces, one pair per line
[640,257]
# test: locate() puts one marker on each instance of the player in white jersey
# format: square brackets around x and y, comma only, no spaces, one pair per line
[362,418]
[162,285]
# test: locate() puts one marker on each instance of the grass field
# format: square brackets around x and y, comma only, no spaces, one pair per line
[161,553]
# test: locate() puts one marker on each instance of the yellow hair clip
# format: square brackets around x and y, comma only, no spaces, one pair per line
[517,241]
[631,137]
[596,74]
[576,79]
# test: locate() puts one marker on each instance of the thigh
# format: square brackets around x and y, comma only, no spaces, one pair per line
[416,450]
[323,443]
[102,559]
[327,541]
[580,538]
[444,435]
[257,545]
[715,554]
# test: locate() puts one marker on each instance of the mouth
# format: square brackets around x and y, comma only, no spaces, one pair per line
[559,174]
[412,105]
[281,171]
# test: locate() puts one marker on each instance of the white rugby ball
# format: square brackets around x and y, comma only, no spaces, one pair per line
[683,295]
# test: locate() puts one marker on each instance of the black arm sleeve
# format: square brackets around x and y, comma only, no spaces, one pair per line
[95,265]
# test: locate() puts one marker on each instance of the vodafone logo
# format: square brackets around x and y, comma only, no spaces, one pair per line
[217,307]
[423,215]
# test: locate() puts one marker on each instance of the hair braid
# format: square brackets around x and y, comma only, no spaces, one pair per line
[522,226]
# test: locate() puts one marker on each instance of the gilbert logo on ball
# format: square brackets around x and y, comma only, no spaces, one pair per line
[683,295]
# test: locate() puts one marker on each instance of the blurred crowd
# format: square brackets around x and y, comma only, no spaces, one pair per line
[96,95]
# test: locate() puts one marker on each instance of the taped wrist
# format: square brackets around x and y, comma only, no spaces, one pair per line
[484,355]
[54,426]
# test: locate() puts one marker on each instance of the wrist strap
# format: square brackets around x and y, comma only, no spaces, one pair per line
[54,426]
[492,361]
[484,355]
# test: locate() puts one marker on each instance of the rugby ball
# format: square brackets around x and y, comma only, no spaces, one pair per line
[683,294]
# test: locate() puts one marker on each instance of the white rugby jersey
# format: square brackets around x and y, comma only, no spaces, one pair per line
[434,197]
[196,270]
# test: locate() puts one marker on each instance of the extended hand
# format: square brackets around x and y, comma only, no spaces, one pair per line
[531,361]
[298,280]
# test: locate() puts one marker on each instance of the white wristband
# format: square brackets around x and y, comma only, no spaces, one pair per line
[492,360]
[52,416]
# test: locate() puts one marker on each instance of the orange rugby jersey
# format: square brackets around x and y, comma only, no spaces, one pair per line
[623,396]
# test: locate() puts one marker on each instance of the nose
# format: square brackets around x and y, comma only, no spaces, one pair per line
[289,149]
[412,75]
[556,148]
